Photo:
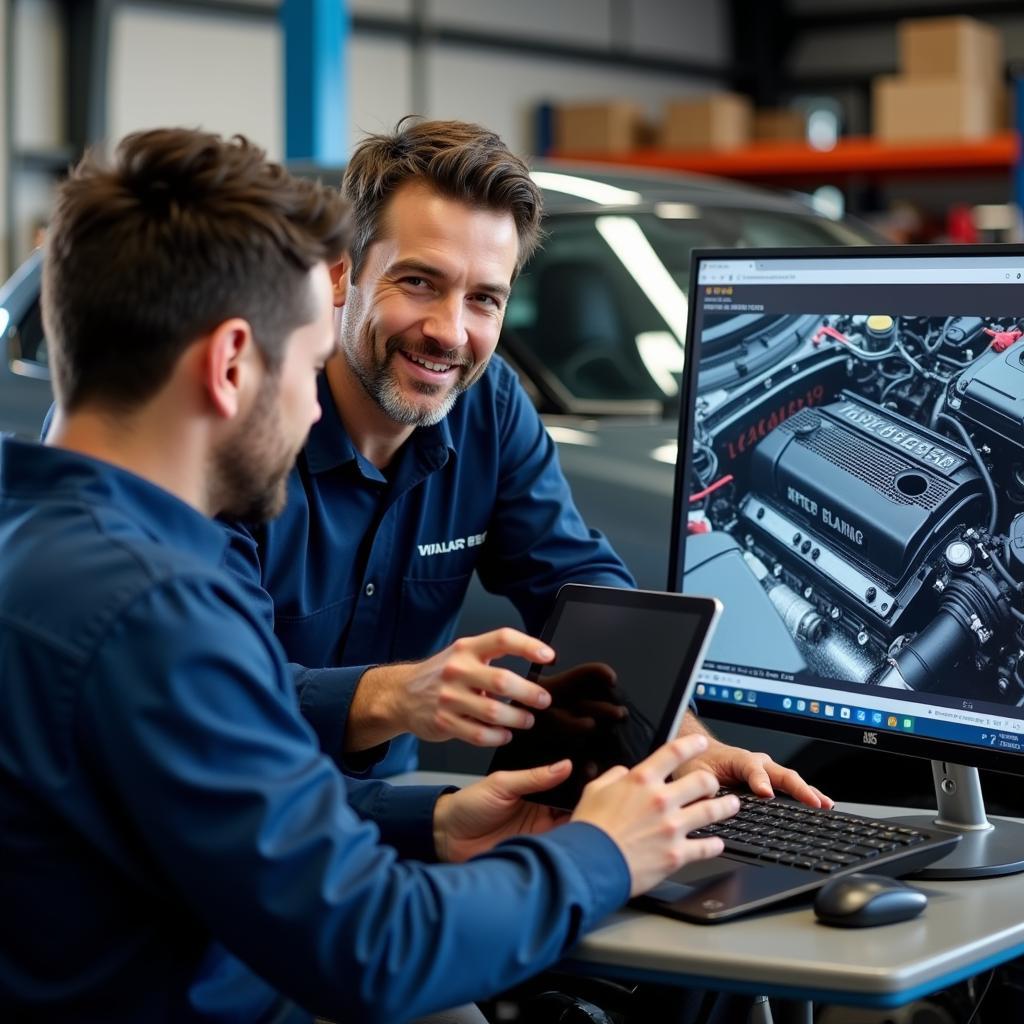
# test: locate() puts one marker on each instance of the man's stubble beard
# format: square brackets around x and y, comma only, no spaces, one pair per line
[250,470]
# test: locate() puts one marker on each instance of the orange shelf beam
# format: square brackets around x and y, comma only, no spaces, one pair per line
[852,156]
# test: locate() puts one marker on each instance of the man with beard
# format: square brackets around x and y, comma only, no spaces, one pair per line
[176,846]
[430,463]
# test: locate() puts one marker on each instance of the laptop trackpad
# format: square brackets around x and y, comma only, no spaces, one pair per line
[717,889]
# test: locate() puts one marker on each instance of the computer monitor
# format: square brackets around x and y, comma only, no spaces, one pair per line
[850,484]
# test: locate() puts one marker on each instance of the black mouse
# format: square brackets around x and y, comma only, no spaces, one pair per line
[860,901]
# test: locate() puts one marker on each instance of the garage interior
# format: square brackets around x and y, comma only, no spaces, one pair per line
[888,122]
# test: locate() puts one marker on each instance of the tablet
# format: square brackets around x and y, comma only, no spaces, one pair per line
[626,663]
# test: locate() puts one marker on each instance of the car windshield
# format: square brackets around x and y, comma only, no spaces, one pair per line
[603,306]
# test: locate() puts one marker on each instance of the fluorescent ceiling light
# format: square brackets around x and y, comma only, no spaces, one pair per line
[586,188]
[676,211]
[566,435]
[667,453]
[663,357]
[627,240]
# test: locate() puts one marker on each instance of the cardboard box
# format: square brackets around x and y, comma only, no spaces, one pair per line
[780,125]
[719,121]
[950,47]
[919,109]
[613,127]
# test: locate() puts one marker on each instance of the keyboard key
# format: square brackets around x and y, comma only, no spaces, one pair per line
[839,858]
[745,849]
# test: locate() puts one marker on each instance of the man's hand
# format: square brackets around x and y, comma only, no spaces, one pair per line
[649,818]
[456,694]
[474,819]
[734,766]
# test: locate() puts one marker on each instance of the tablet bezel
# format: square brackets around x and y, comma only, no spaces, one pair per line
[707,609]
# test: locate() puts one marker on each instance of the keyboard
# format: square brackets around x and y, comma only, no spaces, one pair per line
[827,841]
[777,849]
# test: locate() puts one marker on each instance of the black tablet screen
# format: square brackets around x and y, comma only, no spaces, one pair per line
[616,685]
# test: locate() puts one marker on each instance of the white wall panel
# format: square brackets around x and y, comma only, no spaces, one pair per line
[33,199]
[380,84]
[576,22]
[501,90]
[220,73]
[384,8]
[39,75]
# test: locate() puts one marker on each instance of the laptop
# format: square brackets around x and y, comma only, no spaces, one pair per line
[625,670]
[778,851]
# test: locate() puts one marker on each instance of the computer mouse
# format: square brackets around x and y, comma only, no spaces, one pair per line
[861,901]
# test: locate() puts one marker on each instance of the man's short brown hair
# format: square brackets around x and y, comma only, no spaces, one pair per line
[456,159]
[182,231]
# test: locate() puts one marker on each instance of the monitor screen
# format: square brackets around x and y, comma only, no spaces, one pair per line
[851,487]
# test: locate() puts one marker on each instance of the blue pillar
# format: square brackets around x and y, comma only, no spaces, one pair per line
[316,97]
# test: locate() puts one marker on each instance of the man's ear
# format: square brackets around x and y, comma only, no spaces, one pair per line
[339,280]
[231,365]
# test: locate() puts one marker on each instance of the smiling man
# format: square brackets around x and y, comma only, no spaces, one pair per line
[176,846]
[429,464]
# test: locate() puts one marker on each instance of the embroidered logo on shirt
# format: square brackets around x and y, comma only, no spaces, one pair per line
[455,544]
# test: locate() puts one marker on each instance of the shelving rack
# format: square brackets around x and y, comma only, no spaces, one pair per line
[790,161]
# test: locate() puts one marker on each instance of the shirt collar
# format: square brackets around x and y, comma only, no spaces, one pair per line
[42,472]
[329,446]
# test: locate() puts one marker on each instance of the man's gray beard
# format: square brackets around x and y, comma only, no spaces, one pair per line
[382,386]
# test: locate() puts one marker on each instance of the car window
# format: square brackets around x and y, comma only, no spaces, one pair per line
[603,306]
[27,343]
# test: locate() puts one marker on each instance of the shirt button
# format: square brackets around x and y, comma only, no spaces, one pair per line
[370,588]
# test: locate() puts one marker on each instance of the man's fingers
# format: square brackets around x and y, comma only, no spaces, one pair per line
[792,783]
[703,849]
[483,709]
[498,682]
[668,758]
[758,779]
[704,812]
[823,800]
[532,780]
[500,642]
[692,785]
[456,727]
[607,778]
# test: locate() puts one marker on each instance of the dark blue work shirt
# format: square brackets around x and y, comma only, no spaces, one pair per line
[175,846]
[364,568]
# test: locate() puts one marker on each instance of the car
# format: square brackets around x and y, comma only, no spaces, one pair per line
[25,392]
[594,328]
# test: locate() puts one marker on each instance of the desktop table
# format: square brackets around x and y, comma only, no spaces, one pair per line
[967,928]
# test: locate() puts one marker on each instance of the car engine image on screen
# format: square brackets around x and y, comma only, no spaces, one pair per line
[857,497]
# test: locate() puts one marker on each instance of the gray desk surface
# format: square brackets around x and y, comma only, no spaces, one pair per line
[966,928]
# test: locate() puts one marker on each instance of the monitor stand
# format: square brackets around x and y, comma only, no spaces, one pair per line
[988,847]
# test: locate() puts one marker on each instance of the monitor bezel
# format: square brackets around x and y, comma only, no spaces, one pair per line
[851,735]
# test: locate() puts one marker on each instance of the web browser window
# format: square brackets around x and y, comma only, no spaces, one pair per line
[856,491]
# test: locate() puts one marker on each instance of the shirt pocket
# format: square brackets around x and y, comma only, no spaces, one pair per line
[315,640]
[428,612]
